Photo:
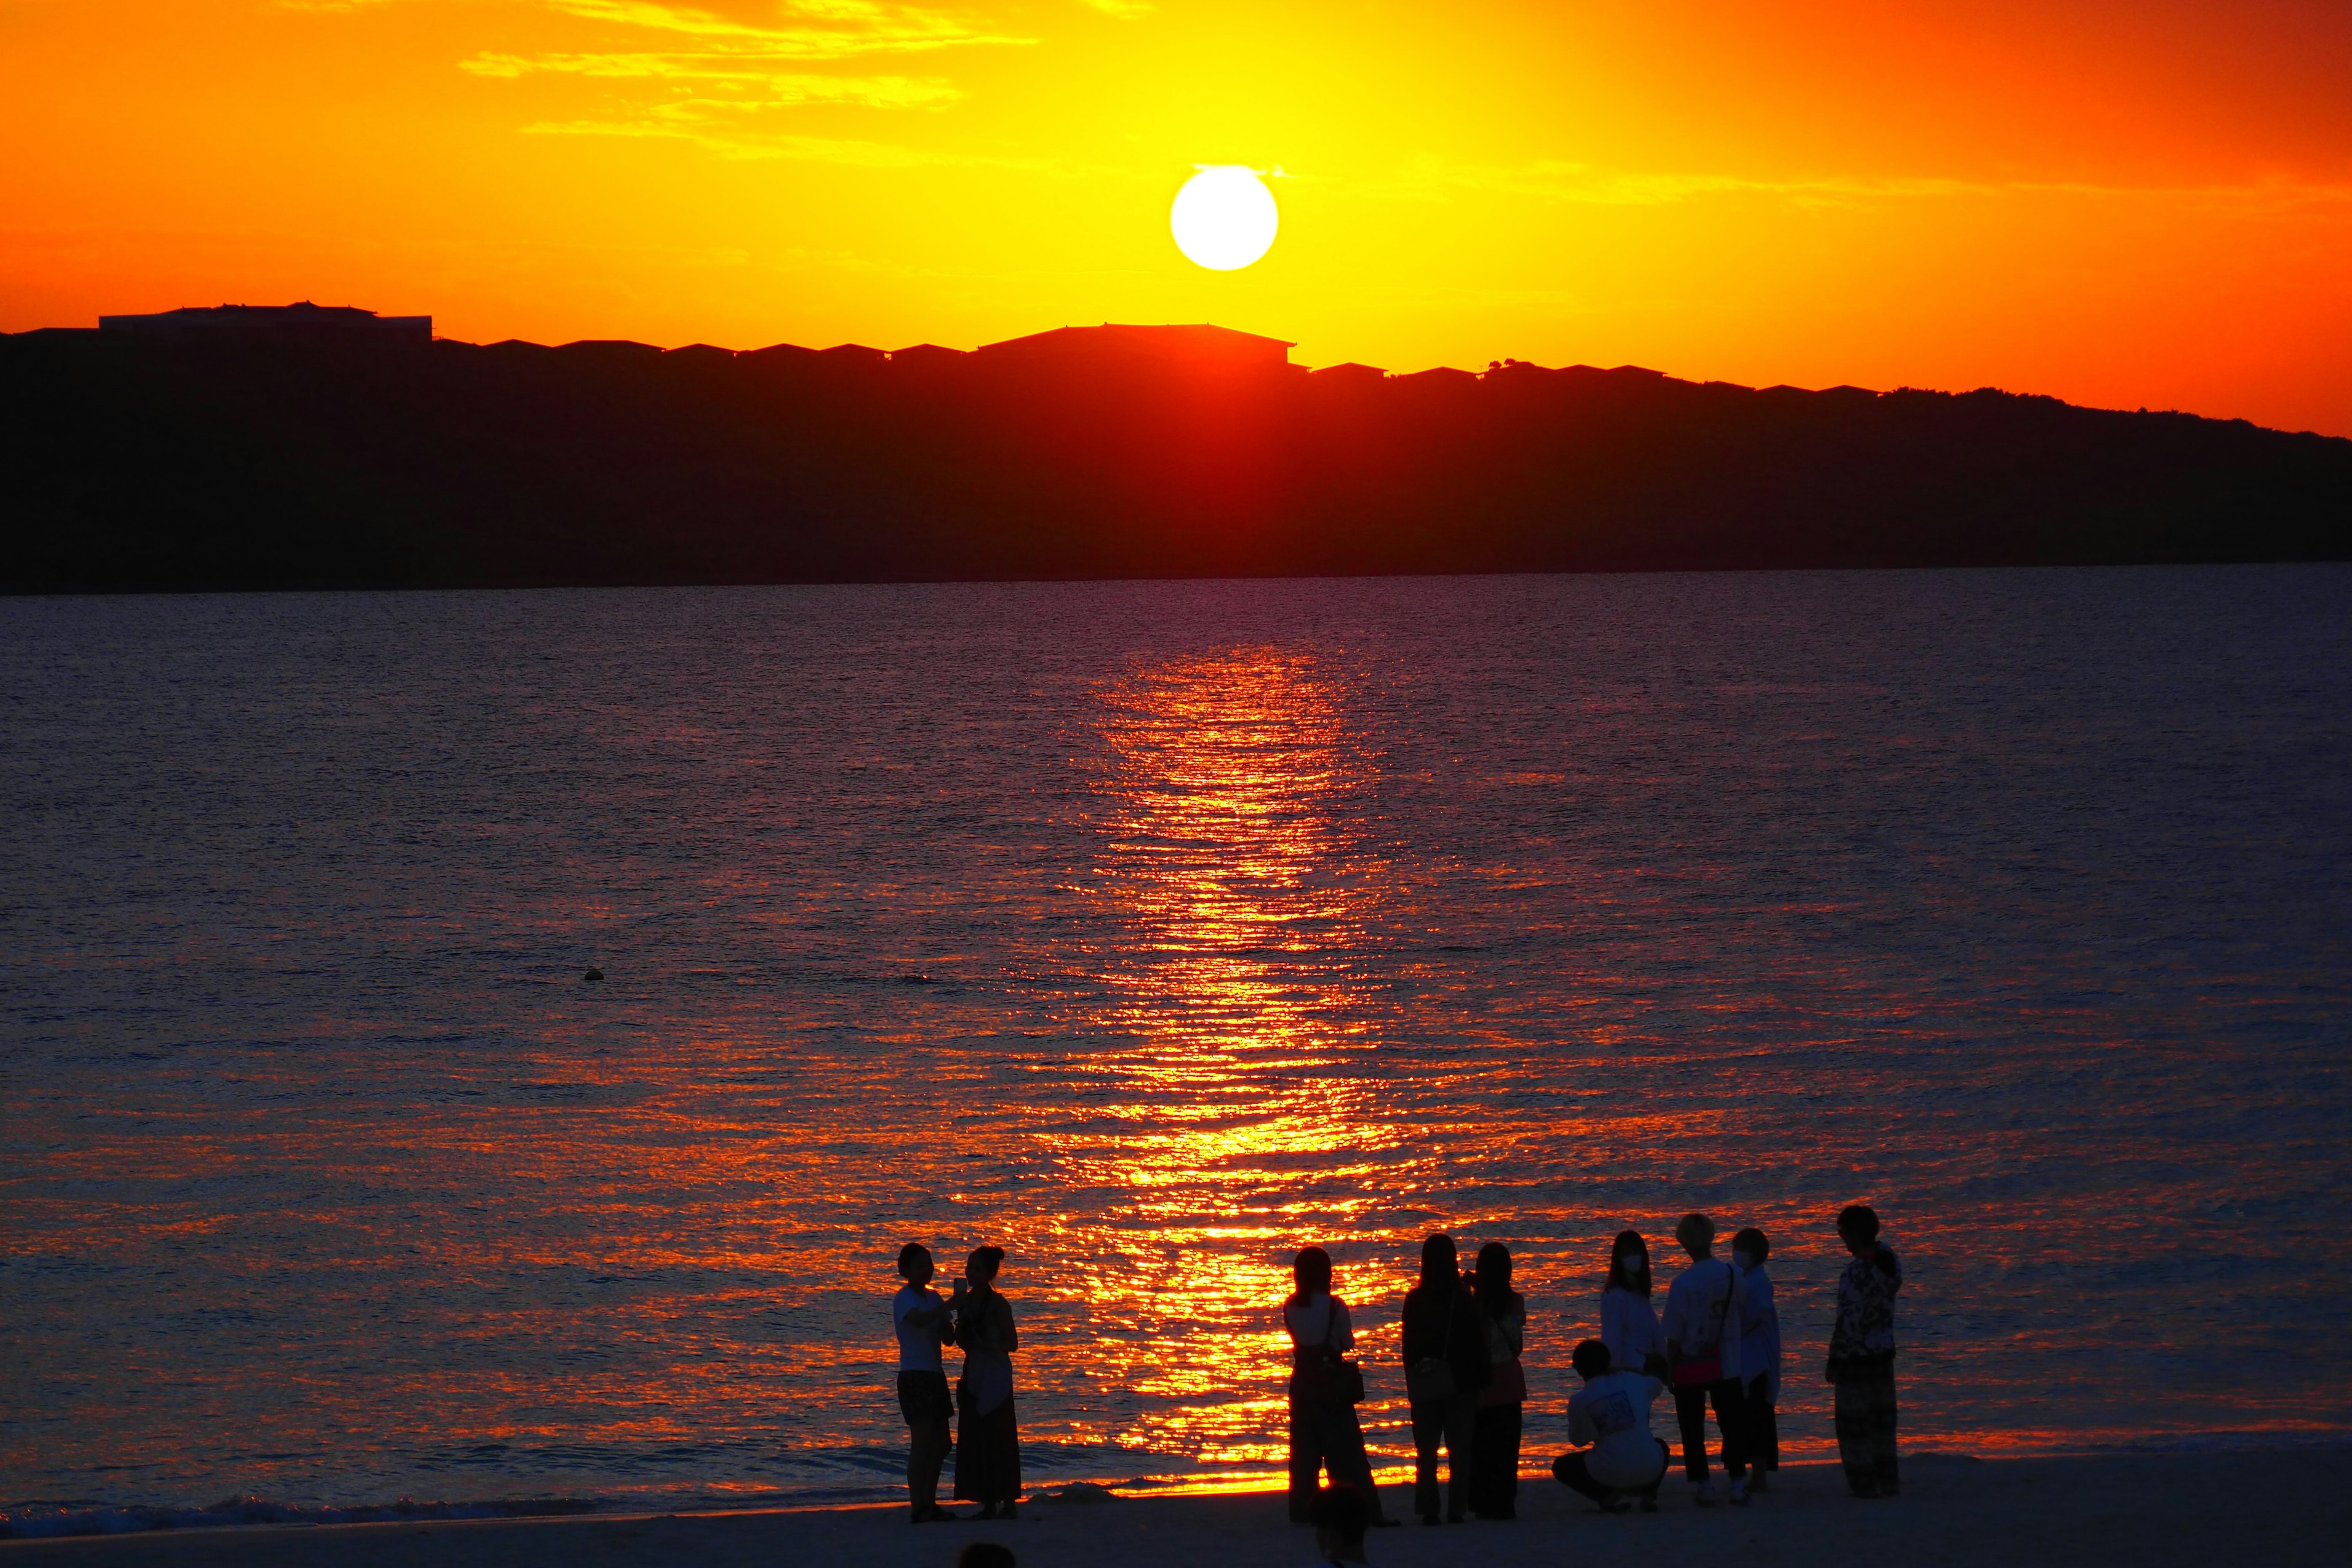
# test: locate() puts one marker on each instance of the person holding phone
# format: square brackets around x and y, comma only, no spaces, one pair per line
[924,1322]
[988,1438]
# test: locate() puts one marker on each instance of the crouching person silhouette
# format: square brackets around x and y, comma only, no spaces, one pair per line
[1610,1415]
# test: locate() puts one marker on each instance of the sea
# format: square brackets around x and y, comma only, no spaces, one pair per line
[1149,931]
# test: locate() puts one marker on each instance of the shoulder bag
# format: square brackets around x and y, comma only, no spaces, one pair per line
[1700,1371]
[1432,1377]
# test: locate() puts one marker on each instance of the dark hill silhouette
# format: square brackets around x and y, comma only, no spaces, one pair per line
[128,463]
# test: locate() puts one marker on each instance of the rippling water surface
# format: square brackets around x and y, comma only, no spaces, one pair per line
[1149,931]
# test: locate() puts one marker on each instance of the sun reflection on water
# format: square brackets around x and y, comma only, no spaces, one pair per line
[1236,1105]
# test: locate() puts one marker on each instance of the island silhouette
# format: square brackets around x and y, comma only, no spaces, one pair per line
[247,448]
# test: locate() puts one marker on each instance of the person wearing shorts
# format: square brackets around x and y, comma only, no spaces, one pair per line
[924,1325]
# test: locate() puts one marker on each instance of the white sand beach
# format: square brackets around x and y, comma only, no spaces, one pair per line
[2279,1510]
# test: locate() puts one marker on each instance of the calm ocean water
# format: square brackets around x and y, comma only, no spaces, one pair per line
[1149,931]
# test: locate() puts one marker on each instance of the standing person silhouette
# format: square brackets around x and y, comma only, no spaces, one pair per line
[1704,1325]
[1494,1437]
[1445,1366]
[1324,1389]
[1861,1357]
[988,1440]
[924,1322]
[1759,1357]
[1628,1324]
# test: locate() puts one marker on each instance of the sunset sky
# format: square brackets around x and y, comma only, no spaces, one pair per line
[2120,202]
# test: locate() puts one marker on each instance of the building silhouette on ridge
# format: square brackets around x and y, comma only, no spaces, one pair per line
[301,323]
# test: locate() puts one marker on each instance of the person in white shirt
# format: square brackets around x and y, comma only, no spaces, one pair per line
[1704,1324]
[1611,1414]
[1324,1388]
[922,1320]
[1628,1324]
[1759,1357]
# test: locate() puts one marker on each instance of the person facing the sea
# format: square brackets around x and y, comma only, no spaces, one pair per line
[1628,1324]
[1759,1357]
[1494,1434]
[1861,1357]
[1325,1387]
[1610,1414]
[988,1440]
[1704,1326]
[1445,1367]
[923,1323]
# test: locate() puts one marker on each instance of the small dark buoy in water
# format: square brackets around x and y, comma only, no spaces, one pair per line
[596,974]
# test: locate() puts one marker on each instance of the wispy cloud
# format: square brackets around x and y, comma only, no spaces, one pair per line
[1432,180]
[801,30]
[767,90]
[706,126]
[704,74]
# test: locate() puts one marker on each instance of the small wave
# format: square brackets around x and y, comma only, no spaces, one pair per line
[29,1521]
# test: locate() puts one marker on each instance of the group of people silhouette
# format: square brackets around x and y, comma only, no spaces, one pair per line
[1716,1346]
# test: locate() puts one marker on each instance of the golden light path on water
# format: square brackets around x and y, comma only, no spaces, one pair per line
[1221,837]
[1149,930]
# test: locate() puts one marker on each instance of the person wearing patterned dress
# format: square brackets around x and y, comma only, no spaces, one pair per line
[1861,1357]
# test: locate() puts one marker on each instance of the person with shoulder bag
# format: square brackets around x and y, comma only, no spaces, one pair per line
[1494,1437]
[1705,1321]
[1445,1369]
[1325,1389]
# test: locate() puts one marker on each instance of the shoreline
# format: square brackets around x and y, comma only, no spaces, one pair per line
[2286,1506]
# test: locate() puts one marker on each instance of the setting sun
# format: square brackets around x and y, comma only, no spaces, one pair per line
[1223,218]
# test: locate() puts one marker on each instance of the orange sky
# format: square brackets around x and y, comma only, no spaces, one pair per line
[2121,202]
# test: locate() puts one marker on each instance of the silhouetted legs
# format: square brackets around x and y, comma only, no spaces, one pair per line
[1865,1430]
[1690,1409]
[1572,1472]
[1495,1462]
[1450,1419]
[1763,1446]
[1325,1435]
[923,1400]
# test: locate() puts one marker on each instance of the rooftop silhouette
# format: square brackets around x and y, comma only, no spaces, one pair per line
[299,322]
[218,457]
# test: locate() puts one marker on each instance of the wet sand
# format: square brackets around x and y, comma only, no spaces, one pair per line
[2281,1509]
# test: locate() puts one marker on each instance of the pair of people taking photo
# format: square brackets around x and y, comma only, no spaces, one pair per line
[979,1320]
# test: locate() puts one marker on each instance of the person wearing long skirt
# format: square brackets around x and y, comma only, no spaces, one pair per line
[1325,1435]
[988,1438]
[1446,1368]
[1494,1434]
[1862,1357]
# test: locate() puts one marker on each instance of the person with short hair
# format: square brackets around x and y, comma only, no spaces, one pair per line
[984,1554]
[1861,1357]
[1445,1364]
[923,1322]
[1325,1433]
[1495,1437]
[1339,1515]
[987,1437]
[1704,1326]
[1759,1357]
[1609,1416]
[1628,1324]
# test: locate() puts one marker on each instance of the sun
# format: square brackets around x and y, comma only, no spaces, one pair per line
[1225,217]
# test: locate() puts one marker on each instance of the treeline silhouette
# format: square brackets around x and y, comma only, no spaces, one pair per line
[131,465]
